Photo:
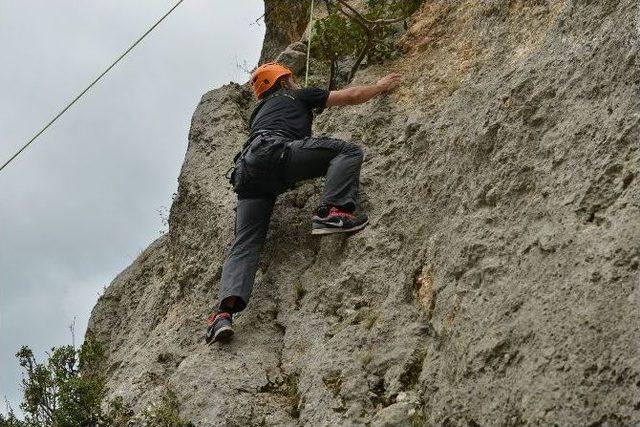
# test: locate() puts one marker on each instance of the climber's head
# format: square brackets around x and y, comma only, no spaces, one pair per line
[271,76]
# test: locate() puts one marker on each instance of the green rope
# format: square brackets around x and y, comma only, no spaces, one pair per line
[64,110]
[306,75]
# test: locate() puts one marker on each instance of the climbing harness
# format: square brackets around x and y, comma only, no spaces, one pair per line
[259,169]
[306,75]
[230,174]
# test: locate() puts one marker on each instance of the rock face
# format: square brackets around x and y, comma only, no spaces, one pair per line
[285,22]
[498,282]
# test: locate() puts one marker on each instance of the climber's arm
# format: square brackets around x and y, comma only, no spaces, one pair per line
[360,94]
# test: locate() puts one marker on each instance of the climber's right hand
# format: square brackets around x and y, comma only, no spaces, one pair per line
[389,82]
[360,94]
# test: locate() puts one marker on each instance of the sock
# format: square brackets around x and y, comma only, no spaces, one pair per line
[323,210]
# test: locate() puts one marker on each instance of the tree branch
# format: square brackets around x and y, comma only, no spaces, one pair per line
[363,53]
[257,20]
[368,25]
[364,20]
[357,17]
[332,75]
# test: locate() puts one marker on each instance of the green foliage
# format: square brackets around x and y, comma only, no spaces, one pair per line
[384,43]
[366,358]
[292,394]
[66,389]
[118,413]
[11,420]
[166,413]
[69,388]
[337,37]
[346,35]
[392,8]
[300,292]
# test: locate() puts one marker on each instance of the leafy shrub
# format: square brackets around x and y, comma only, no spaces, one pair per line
[350,35]
[166,413]
[65,390]
[68,390]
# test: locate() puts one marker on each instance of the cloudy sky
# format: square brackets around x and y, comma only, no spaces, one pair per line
[81,202]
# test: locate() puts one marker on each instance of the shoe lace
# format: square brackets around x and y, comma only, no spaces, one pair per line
[337,212]
[213,316]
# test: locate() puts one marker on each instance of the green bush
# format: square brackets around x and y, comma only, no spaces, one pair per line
[65,390]
[392,8]
[68,389]
[166,413]
[347,35]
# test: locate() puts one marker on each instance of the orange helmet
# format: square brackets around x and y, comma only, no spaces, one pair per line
[266,75]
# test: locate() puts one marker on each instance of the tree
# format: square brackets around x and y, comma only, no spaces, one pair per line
[349,34]
[66,390]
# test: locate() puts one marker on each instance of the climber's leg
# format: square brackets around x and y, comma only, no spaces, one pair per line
[338,161]
[239,270]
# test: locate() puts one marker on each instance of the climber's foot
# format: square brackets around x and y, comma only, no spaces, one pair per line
[219,327]
[338,221]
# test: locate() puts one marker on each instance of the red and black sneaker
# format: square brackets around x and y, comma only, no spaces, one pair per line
[219,327]
[338,221]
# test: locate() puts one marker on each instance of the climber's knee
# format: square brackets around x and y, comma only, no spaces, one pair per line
[353,150]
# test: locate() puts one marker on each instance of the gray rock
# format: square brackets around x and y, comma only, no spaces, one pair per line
[294,59]
[286,22]
[498,281]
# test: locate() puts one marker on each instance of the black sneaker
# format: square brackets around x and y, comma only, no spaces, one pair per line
[338,221]
[219,327]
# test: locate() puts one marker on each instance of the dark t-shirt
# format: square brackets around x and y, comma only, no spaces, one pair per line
[289,112]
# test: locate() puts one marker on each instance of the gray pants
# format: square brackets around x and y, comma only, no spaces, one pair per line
[338,161]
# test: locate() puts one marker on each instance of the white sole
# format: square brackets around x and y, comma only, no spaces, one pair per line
[324,231]
[224,334]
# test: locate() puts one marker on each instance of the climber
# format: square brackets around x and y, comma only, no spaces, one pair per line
[279,152]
